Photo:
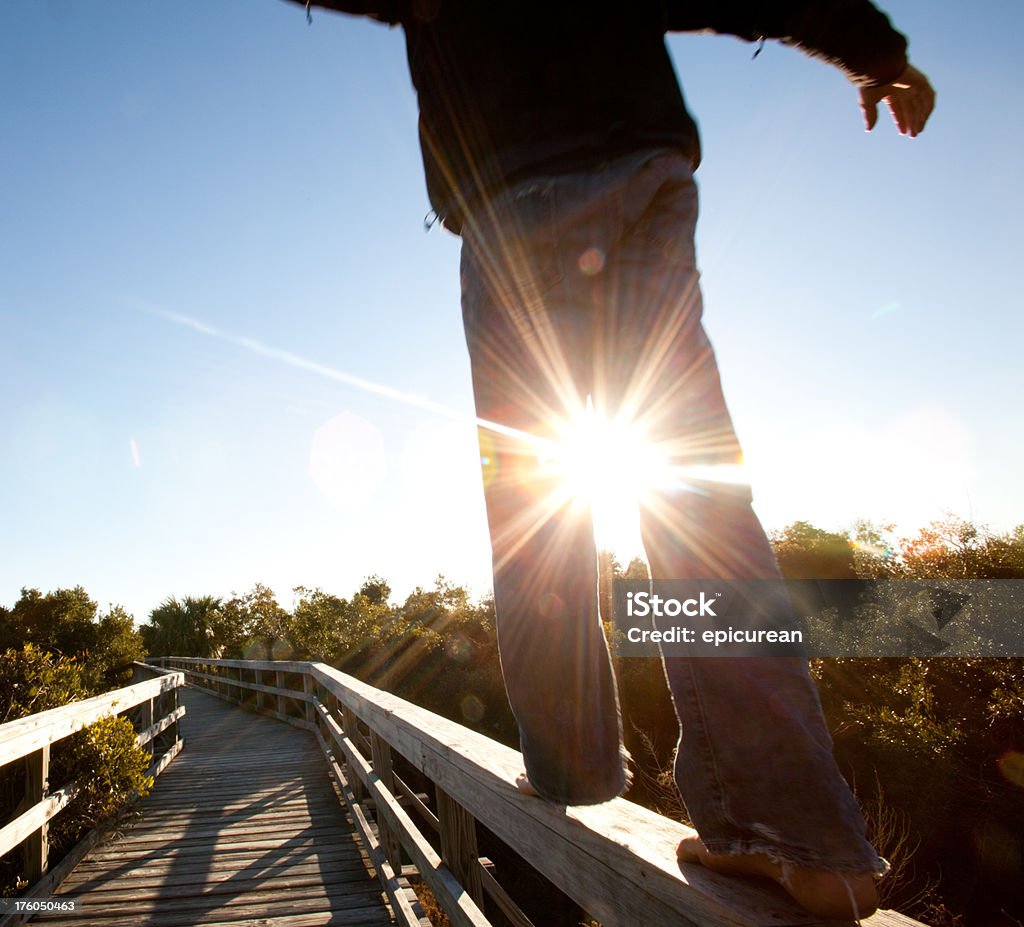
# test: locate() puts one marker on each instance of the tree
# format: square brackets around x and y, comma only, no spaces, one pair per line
[807,552]
[952,548]
[259,626]
[317,626]
[189,628]
[68,622]
[32,680]
[376,590]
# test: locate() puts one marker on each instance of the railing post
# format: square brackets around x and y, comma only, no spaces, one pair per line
[350,725]
[279,682]
[257,677]
[173,729]
[145,722]
[309,687]
[380,752]
[37,785]
[458,844]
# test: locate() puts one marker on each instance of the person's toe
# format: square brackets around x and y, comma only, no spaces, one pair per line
[524,786]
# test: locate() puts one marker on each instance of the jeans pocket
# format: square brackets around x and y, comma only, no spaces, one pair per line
[532,246]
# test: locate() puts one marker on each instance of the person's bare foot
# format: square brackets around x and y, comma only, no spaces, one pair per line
[523,785]
[835,895]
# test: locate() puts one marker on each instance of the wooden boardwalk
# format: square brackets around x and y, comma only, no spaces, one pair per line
[244,828]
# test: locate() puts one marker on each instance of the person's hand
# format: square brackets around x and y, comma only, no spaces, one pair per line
[910,97]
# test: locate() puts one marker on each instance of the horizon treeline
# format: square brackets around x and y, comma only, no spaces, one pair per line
[934,748]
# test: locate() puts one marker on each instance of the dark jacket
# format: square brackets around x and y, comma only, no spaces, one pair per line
[510,89]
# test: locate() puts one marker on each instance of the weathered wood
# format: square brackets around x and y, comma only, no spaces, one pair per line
[161,764]
[206,871]
[258,688]
[381,754]
[407,911]
[503,899]
[415,802]
[45,886]
[286,879]
[30,824]
[219,851]
[21,737]
[270,713]
[151,730]
[460,908]
[617,860]
[458,844]
[37,839]
[283,666]
[347,907]
[350,724]
[308,687]
[281,706]
[239,849]
[30,739]
[145,721]
[171,712]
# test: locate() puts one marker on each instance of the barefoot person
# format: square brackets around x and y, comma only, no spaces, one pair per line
[556,142]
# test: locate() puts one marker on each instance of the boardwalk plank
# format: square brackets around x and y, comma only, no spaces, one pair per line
[244,829]
[146,879]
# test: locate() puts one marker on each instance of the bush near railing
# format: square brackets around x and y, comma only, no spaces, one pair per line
[98,752]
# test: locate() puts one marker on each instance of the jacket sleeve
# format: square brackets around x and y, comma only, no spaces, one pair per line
[385,11]
[854,35]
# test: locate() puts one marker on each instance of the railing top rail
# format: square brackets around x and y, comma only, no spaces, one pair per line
[22,737]
[153,668]
[281,666]
[619,855]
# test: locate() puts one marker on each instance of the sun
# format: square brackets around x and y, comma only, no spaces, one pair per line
[610,467]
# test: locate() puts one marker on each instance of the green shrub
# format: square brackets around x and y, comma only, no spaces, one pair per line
[104,759]
[108,766]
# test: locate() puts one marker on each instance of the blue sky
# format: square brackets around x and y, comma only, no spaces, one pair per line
[213,248]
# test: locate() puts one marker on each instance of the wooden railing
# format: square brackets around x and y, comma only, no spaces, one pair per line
[152,706]
[616,860]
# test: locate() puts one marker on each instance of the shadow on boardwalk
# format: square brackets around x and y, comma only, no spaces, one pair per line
[243,826]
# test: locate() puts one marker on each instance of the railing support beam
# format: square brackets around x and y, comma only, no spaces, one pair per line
[458,844]
[37,786]
[381,756]
[309,687]
[350,725]
[279,683]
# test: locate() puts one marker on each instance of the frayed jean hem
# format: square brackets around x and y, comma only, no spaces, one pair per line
[791,856]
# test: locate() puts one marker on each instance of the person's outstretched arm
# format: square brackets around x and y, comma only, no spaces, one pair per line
[910,97]
[853,35]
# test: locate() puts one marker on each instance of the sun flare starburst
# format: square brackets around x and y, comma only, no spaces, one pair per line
[610,467]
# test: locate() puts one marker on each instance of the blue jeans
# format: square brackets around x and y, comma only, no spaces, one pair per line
[585,285]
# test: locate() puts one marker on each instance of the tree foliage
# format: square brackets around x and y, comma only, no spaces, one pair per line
[941,740]
[807,552]
[191,627]
[69,623]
